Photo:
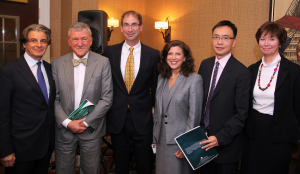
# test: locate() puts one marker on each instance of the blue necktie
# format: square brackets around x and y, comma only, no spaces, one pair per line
[211,92]
[41,81]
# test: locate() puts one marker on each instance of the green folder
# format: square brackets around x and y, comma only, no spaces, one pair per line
[189,144]
[83,111]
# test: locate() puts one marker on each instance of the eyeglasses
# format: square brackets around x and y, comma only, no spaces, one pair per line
[224,38]
[76,40]
[134,25]
[35,41]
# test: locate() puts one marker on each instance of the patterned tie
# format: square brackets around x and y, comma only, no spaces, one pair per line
[76,62]
[211,92]
[129,70]
[41,81]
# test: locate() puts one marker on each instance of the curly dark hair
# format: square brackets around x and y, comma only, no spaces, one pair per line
[187,66]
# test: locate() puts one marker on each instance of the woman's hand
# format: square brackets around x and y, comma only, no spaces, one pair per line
[179,154]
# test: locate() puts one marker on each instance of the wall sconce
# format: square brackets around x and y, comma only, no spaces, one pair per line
[164,25]
[111,23]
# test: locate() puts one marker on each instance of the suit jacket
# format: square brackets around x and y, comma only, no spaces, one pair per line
[228,107]
[27,121]
[183,111]
[97,88]
[286,114]
[141,97]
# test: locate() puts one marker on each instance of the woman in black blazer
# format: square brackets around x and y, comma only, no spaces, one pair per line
[275,113]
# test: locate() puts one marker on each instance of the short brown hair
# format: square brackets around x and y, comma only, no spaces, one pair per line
[133,13]
[187,66]
[274,29]
[36,27]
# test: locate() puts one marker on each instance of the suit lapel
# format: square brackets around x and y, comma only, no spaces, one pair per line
[254,72]
[143,64]
[91,65]
[69,75]
[282,73]
[27,74]
[226,74]
[175,87]
[50,80]
[209,71]
[160,94]
[116,61]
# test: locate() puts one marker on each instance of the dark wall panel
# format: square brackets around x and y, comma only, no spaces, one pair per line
[28,12]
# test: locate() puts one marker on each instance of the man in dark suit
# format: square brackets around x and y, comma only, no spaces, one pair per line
[226,84]
[129,120]
[27,93]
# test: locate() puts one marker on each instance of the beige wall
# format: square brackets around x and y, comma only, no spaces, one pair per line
[191,22]
[63,14]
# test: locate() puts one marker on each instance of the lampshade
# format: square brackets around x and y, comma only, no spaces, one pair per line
[113,22]
[161,25]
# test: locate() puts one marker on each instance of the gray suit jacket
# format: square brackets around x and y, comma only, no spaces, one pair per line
[97,88]
[184,106]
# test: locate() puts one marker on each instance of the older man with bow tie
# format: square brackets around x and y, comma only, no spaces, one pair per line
[80,75]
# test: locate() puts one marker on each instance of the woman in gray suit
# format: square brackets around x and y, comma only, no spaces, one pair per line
[178,106]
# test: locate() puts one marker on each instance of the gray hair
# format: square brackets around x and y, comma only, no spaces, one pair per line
[79,26]
[36,27]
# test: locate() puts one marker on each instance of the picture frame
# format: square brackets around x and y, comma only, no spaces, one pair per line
[287,13]
[21,1]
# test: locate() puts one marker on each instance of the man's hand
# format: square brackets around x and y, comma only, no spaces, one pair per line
[77,126]
[210,143]
[9,160]
[179,154]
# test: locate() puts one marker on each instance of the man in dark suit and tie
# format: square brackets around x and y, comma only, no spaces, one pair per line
[80,75]
[27,94]
[226,84]
[129,121]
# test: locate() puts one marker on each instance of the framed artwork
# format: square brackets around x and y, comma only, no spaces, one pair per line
[22,1]
[287,13]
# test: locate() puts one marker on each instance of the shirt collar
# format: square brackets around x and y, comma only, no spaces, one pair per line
[224,60]
[274,62]
[30,61]
[85,56]
[138,45]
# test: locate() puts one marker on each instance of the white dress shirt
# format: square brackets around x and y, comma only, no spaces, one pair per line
[136,54]
[32,63]
[263,101]
[222,64]
[79,74]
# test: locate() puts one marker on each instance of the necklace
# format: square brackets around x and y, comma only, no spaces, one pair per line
[269,84]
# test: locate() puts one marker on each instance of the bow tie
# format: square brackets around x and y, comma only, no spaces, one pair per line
[76,62]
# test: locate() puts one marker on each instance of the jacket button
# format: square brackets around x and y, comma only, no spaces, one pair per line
[166,122]
[166,116]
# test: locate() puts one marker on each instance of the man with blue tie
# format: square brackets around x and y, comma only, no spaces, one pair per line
[226,84]
[27,94]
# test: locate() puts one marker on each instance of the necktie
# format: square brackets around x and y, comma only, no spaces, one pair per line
[41,81]
[211,92]
[129,70]
[76,62]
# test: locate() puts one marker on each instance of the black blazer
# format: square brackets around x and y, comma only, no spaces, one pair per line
[142,95]
[27,122]
[228,107]
[286,114]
